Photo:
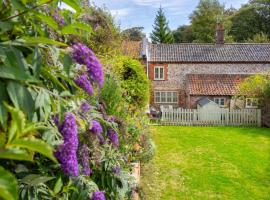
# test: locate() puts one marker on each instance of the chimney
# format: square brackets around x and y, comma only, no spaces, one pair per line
[144,47]
[220,34]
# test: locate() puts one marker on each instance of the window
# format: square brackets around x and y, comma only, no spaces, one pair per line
[220,101]
[159,73]
[166,97]
[251,102]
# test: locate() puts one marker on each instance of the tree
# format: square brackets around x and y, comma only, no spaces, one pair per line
[204,20]
[161,32]
[133,34]
[183,34]
[251,19]
[259,38]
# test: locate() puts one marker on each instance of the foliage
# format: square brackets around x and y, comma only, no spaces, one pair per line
[133,34]
[112,95]
[259,38]
[221,159]
[183,34]
[256,86]
[133,80]
[204,19]
[251,19]
[48,78]
[161,32]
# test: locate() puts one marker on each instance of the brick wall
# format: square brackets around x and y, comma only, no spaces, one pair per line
[175,75]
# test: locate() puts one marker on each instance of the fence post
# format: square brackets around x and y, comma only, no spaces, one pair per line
[259,117]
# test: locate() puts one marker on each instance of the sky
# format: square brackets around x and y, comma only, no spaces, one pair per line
[131,13]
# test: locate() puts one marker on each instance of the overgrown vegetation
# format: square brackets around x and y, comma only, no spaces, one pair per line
[69,128]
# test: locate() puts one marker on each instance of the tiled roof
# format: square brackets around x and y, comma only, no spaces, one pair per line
[214,84]
[209,52]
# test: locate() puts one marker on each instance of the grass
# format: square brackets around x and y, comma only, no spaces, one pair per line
[208,163]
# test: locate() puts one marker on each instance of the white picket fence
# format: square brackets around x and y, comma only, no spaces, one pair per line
[218,117]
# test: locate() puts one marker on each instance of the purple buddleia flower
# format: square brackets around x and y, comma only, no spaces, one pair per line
[85,56]
[85,107]
[97,130]
[58,18]
[116,170]
[98,195]
[67,152]
[113,137]
[85,160]
[55,119]
[83,82]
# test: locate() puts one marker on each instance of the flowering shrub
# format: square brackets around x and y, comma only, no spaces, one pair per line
[57,140]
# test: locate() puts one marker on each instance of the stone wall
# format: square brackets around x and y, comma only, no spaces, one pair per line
[175,75]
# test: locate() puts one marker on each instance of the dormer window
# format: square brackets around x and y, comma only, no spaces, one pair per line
[159,73]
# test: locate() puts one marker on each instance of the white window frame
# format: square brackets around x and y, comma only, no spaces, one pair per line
[219,101]
[159,94]
[252,101]
[159,78]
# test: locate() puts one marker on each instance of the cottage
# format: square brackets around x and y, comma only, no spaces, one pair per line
[182,74]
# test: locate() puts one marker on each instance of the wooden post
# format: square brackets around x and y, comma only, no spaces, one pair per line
[259,117]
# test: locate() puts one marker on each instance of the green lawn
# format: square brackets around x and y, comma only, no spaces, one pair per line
[208,163]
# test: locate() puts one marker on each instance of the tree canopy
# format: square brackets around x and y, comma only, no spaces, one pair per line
[161,32]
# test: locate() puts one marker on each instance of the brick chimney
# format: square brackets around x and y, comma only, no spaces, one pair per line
[220,34]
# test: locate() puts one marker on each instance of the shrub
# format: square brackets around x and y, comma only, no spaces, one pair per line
[133,80]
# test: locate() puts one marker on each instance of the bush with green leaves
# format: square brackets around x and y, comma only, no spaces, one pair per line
[134,81]
[53,144]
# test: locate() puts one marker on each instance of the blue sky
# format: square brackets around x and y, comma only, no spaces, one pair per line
[130,13]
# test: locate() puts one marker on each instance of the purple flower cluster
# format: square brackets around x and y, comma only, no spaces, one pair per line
[85,56]
[83,82]
[58,18]
[113,137]
[67,152]
[97,130]
[116,170]
[85,160]
[85,107]
[55,118]
[98,195]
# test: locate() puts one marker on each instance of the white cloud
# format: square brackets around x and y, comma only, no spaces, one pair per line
[120,12]
[164,3]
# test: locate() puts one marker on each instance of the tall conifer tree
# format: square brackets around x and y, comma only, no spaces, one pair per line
[161,32]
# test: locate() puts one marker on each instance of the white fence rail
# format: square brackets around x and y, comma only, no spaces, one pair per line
[203,117]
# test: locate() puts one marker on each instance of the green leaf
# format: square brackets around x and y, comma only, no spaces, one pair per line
[17,123]
[5,26]
[21,98]
[17,4]
[8,185]
[67,64]
[35,145]
[15,58]
[41,40]
[47,20]
[16,154]
[73,4]
[36,61]
[35,179]
[52,78]
[15,73]
[75,27]
[3,110]
[58,186]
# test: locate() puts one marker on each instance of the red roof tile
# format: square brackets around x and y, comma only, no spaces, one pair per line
[214,84]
